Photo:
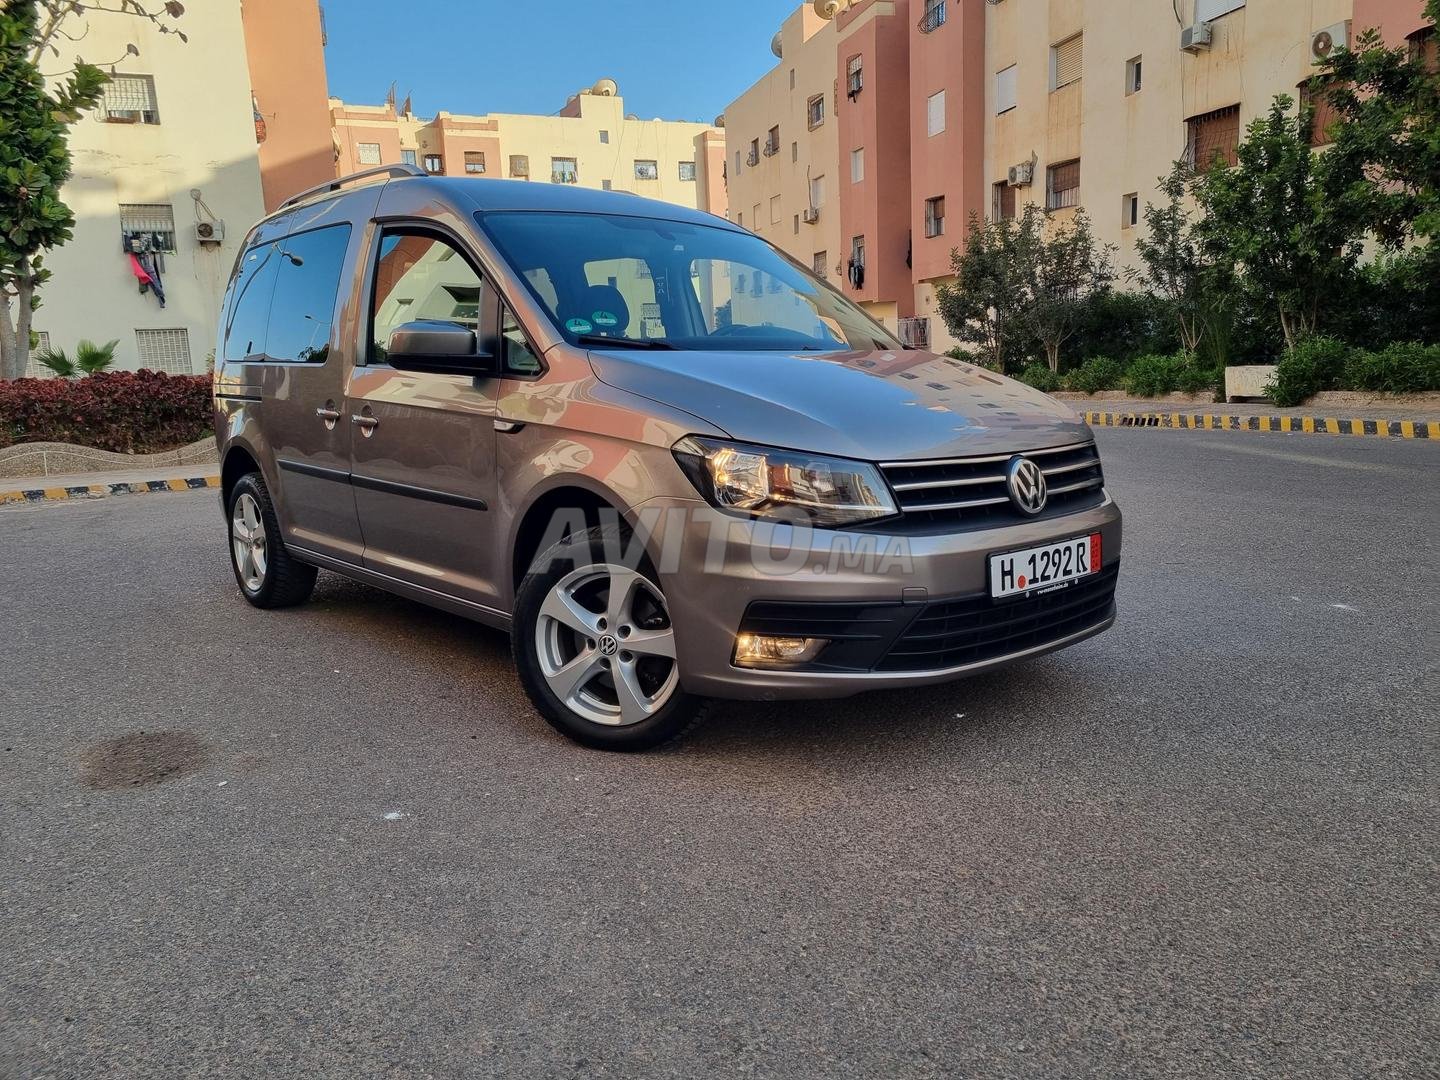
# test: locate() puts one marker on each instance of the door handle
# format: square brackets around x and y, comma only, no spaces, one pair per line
[369,423]
[330,415]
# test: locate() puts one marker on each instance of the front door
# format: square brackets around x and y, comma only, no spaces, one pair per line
[422,445]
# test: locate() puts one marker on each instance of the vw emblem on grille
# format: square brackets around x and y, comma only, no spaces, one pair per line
[1026,484]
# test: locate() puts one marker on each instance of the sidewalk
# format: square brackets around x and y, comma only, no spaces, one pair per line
[98,485]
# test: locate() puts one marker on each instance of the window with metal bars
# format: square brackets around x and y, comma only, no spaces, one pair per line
[935,216]
[563,171]
[368,153]
[33,368]
[474,161]
[164,350]
[1213,136]
[819,262]
[155,221]
[687,170]
[1002,202]
[1067,61]
[854,76]
[1062,185]
[934,16]
[520,165]
[1424,46]
[1323,115]
[434,163]
[130,99]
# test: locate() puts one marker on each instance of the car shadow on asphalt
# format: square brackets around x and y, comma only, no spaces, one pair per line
[982,708]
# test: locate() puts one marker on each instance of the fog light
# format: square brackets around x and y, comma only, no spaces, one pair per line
[763,650]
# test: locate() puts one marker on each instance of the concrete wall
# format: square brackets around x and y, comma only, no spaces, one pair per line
[1395,19]
[284,43]
[204,141]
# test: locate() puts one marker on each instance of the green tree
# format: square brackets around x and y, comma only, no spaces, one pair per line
[1285,220]
[983,305]
[1067,268]
[34,156]
[1388,132]
[1173,264]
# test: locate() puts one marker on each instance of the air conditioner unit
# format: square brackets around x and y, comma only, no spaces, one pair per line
[1021,175]
[1194,39]
[1324,42]
[811,215]
[210,232]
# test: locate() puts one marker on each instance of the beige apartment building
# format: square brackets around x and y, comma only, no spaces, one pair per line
[169,172]
[934,109]
[591,142]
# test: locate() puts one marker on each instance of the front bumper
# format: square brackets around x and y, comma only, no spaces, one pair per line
[918,606]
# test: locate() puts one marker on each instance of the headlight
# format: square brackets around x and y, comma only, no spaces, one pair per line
[784,485]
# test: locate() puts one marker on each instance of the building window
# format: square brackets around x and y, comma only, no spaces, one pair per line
[820,263]
[164,350]
[33,368]
[1425,47]
[1005,90]
[407,157]
[755,216]
[934,16]
[1323,114]
[1132,75]
[857,165]
[1205,10]
[740,218]
[563,171]
[606,185]
[1002,201]
[1066,60]
[687,170]
[520,165]
[1213,137]
[935,113]
[604,136]
[794,151]
[935,216]
[368,153]
[792,78]
[815,111]
[856,269]
[148,226]
[775,210]
[817,192]
[647,170]
[1130,210]
[1062,185]
[797,225]
[130,99]
[474,161]
[434,163]
[753,157]
[772,142]
[737,162]
[854,76]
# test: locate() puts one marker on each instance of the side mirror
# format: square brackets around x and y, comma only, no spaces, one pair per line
[438,348]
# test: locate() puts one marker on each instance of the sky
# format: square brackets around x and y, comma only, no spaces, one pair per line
[673,59]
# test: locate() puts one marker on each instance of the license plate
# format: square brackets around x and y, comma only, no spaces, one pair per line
[1045,567]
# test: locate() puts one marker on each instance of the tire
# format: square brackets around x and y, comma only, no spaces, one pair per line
[269,576]
[601,673]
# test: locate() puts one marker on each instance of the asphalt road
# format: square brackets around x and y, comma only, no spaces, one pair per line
[1202,844]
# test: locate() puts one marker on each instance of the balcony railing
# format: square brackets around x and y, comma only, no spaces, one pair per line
[933,19]
[752,158]
[771,149]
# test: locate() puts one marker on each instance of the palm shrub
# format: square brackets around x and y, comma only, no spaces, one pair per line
[88,360]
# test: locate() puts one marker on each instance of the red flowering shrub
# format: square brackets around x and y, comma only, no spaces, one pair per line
[138,412]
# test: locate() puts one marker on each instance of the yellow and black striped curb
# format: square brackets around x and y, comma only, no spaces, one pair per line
[1290,425]
[100,491]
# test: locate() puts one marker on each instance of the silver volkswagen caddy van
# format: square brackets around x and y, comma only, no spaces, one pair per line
[673,463]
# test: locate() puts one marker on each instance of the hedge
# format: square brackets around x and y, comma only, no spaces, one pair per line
[1323,363]
[1145,376]
[138,412]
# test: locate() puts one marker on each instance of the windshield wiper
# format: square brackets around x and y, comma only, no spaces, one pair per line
[622,342]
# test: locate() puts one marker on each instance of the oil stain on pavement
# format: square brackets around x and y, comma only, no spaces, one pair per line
[142,759]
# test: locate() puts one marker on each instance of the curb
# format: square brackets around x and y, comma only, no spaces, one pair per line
[100,491]
[1290,425]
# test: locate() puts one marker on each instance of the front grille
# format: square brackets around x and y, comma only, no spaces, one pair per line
[973,629]
[971,492]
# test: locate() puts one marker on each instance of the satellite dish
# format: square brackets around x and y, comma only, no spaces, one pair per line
[777,46]
[605,88]
[828,9]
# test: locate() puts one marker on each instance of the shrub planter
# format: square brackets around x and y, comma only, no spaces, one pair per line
[1248,381]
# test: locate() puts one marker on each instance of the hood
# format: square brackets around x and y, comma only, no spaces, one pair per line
[875,406]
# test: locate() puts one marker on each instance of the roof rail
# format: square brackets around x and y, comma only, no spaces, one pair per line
[336,185]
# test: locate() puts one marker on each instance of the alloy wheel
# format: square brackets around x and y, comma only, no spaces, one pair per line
[247,539]
[606,645]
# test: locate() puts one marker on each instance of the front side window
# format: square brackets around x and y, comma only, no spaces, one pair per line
[420,276]
[307,284]
[517,353]
[660,283]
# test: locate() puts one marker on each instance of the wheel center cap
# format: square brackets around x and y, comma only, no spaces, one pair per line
[609,646]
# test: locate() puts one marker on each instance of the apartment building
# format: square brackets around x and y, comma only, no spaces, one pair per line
[192,142]
[941,108]
[590,142]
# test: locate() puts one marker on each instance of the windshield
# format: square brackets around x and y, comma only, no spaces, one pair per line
[647,282]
